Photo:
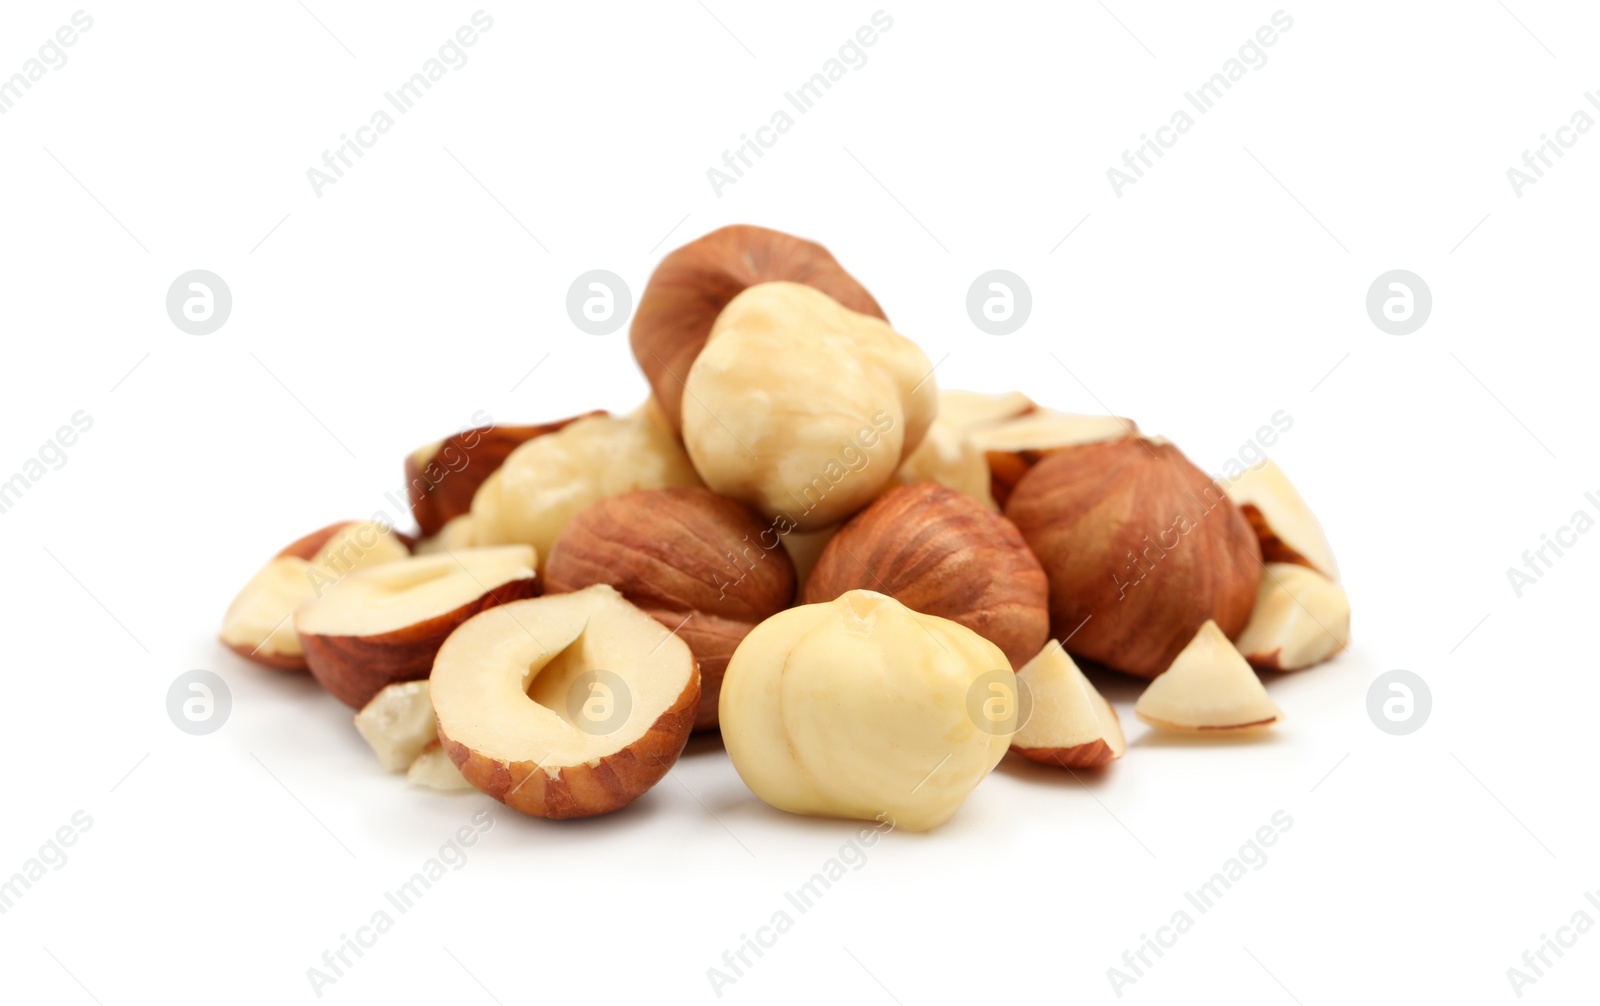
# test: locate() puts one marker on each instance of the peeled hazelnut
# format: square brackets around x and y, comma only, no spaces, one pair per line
[805,548]
[1301,618]
[567,705]
[863,708]
[549,480]
[259,624]
[1141,549]
[1071,725]
[1208,689]
[1288,530]
[442,477]
[947,457]
[1012,446]
[803,408]
[941,553]
[692,285]
[700,564]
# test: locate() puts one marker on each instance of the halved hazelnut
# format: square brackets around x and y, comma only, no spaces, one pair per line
[700,564]
[1208,689]
[968,410]
[1301,618]
[1071,724]
[397,723]
[1141,549]
[442,477]
[568,705]
[942,553]
[385,624]
[1288,530]
[803,408]
[259,624]
[693,284]
[550,479]
[1013,446]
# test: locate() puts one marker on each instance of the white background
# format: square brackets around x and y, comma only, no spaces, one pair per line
[1227,284]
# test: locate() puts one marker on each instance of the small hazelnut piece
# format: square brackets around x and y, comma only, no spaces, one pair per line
[1301,618]
[567,705]
[385,624]
[1141,549]
[433,769]
[398,723]
[862,708]
[1208,689]
[550,479]
[803,408]
[259,624]
[1012,446]
[1071,724]
[942,553]
[1288,530]
[700,564]
[442,477]
[693,284]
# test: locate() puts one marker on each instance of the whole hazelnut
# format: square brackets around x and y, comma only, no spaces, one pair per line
[940,552]
[702,565]
[863,708]
[803,408]
[1141,549]
[693,284]
[442,477]
[550,479]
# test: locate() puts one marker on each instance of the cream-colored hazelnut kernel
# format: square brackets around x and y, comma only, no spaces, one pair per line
[549,480]
[803,408]
[862,708]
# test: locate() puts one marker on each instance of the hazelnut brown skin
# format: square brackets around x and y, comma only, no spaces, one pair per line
[443,487]
[1141,548]
[693,284]
[699,563]
[942,553]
